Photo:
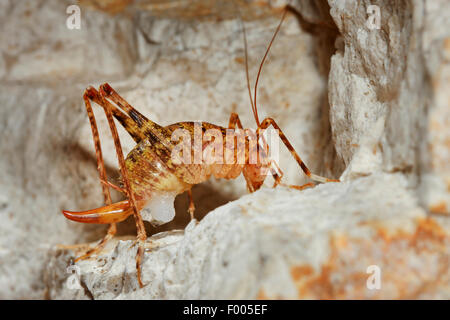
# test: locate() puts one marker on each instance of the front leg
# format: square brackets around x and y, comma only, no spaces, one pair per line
[269,121]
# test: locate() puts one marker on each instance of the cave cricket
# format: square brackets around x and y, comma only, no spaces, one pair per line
[148,169]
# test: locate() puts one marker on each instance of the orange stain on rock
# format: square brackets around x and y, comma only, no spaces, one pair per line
[262,295]
[429,229]
[447,45]
[297,272]
[109,6]
[334,280]
[239,60]
[426,228]
[440,208]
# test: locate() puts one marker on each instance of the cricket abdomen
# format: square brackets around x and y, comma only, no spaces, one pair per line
[149,171]
[200,169]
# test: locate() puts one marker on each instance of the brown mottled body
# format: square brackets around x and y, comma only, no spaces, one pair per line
[151,168]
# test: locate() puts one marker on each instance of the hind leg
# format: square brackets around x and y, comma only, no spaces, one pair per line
[142,235]
[102,173]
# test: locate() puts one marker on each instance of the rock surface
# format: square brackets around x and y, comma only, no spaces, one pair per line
[281,243]
[369,105]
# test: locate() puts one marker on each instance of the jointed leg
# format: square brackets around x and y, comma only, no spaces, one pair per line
[98,149]
[102,172]
[98,248]
[191,204]
[269,121]
[145,126]
[127,122]
[234,121]
[296,187]
[142,236]
[115,187]
[278,174]
[278,177]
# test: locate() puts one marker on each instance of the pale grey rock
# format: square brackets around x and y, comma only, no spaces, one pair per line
[281,243]
[381,79]
[377,82]
[38,46]
[435,184]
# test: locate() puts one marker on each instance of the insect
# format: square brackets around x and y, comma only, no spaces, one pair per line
[150,177]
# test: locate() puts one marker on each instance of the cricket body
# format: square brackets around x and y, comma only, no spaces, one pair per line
[152,173]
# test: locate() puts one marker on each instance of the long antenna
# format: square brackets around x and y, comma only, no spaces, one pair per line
[254,106]
[244,32]
[246,72]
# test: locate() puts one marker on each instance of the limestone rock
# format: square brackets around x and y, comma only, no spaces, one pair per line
[436,152]
[320,243]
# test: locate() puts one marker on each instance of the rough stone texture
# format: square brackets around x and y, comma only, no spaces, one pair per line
[436,152]
[354,101]
[282,244]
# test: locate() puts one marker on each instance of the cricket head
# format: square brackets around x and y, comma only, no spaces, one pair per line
[255,175]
